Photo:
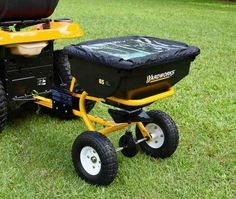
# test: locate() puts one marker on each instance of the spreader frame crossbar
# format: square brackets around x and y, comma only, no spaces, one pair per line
[111,126]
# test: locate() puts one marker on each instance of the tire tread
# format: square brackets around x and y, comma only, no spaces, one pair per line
[171,135]
[3,107]
[107,155]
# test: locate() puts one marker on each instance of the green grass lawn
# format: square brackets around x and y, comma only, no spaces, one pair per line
[35,160]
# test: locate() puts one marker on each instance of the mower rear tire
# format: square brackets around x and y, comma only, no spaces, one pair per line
[62,69]
[3,107]
[62,79]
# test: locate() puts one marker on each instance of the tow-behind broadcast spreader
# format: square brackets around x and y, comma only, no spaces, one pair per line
[127,73]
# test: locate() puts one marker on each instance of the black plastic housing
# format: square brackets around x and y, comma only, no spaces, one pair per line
[131,67]
[104,81]
[23,75]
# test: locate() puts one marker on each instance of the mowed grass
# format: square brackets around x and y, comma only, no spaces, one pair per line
[35,160]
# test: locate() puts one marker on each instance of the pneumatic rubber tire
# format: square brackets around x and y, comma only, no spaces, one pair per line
[167,136]
[62,69]
[3,107]
[63,76]
[94,158]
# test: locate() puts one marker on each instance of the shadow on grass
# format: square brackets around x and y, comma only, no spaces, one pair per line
[40,148]
[22,114]
[19,116]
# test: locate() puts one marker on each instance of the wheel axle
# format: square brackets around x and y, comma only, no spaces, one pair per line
[136,142]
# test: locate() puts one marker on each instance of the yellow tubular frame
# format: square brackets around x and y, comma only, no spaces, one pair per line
[42,101]
[144,101]
[111,126]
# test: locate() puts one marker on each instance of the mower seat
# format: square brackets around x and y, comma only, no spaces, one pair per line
[19,10]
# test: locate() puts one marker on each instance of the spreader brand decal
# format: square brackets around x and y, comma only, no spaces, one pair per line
[155,78]
[104,82]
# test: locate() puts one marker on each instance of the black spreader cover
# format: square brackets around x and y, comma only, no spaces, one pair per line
[26,9]
[130,67]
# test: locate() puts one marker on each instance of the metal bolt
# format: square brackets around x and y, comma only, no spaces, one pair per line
[94,160]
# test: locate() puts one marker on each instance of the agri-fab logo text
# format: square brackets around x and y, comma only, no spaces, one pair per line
[155,78]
